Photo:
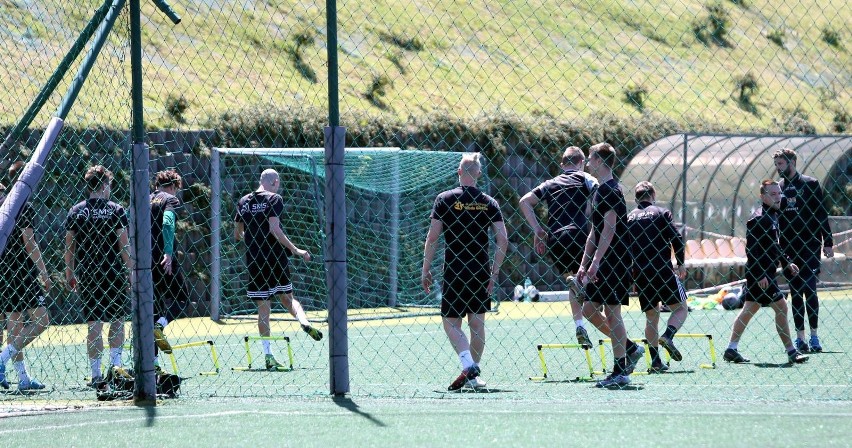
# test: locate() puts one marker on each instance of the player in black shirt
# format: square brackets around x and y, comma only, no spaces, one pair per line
[805,233]
[170,294]
[605,268]
[258,221]
[568,198]
[21,297]
[96,254]
[763,253]
[464,215]
[653,237]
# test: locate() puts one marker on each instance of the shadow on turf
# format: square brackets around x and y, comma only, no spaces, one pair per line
[351,406]
[489,390]
[772,365]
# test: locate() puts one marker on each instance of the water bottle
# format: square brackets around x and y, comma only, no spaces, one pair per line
[527,288]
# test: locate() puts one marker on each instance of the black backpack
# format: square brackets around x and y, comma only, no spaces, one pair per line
[168,384]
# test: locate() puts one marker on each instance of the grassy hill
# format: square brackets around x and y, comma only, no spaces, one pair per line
[564,59]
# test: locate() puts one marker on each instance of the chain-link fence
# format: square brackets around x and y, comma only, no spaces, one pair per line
[695,97]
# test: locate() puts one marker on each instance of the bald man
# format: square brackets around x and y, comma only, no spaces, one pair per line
[258,221]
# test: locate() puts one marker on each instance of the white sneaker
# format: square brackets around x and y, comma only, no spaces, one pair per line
[476,383]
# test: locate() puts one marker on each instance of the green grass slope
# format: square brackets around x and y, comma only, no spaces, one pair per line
[564,59]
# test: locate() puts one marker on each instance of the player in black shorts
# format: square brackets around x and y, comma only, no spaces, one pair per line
[464,215]
[763,253]
[97,266]
[258,221]
[605,268]
[170,293]
[652,238]
[21,297]
[568,206]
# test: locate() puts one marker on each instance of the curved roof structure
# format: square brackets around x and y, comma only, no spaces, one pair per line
[719,175]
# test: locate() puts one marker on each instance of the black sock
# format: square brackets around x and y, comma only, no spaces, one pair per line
[631,346]
[655,354]
[620,366]
[670,332]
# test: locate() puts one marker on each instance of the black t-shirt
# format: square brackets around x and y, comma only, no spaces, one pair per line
[15,260]
[466,214]
[566,196]
[96,223]
[161,203]
[610,197]
[763,252]
[254,211]
[652,237]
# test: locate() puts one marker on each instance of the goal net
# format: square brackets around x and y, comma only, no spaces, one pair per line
[389,195]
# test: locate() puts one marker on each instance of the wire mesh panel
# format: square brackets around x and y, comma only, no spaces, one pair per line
[695,97]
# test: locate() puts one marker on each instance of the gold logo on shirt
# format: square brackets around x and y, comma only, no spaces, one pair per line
[473,206]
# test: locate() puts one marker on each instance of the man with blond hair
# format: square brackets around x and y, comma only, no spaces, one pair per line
[464,216]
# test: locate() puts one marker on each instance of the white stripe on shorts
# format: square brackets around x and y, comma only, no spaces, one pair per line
[265,295]
[681,290]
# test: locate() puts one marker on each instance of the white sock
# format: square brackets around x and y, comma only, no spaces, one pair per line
[579,323]
[267,350]
[115,356]
[21,368]
[466,359]
[96,367]
[814,333]
[163,322]
[8,353]
[733,345]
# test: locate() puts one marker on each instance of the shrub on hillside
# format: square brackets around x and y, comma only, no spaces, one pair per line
[831,37]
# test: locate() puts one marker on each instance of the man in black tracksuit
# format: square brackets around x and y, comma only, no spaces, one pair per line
[805,233]
[763,253]
[652,238]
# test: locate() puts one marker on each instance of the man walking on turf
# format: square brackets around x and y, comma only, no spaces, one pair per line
[258,221]
[21,297]
[763,254]
[170,294]
[605,267]
[464,215]
[96,253]
[653,236]
[803,223]
[568,206]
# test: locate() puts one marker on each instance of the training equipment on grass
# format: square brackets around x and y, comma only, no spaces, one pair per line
[711,349]
[248,339]
[213,355]
[585,349]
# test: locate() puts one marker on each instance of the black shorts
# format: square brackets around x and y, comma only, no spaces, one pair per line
[611,288]
[170,293]
[659,287]
[764,297]
[566,250]
[104,297]
[465,291]
[20,293]
[267,279]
